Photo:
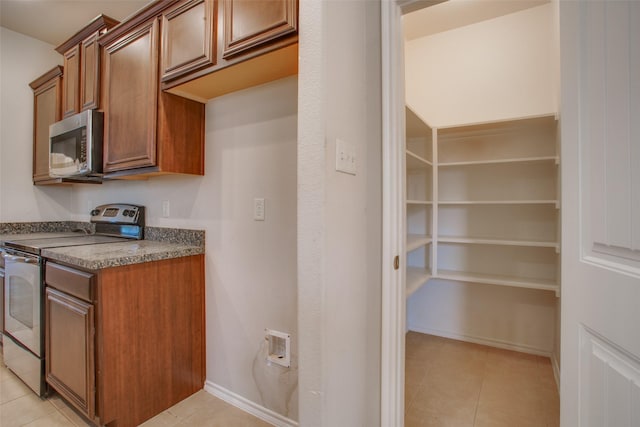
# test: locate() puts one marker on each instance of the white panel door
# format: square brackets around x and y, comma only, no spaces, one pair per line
[600,131]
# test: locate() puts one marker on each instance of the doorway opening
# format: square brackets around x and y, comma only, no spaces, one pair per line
[478,177]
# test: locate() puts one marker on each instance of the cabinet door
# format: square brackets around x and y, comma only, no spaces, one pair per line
[46,110]
[131,99]
[71,82]
[70,368]
[188,38]
[89,73]
[251,23]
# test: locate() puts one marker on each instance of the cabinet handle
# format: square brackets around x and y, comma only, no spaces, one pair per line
[396,262]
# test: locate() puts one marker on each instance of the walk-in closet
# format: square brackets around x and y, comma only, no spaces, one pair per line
[482,208]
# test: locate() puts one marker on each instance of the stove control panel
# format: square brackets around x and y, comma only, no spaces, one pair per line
[118,213]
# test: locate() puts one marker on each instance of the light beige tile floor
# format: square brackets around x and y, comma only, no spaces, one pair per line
[19,406]
[457,384]
[448,383]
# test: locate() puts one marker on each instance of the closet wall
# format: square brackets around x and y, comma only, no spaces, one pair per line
[495,72]
[497,69]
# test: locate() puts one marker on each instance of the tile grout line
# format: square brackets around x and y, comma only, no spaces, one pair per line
[484,375]
[413,398]
[425,375]
[66,417]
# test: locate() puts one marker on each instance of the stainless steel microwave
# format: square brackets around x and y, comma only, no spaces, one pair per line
[75,145]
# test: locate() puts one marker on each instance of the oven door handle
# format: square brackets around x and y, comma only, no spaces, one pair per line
[22,259]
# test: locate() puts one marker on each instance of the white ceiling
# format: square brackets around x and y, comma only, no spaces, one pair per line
[55,21]
[458,13]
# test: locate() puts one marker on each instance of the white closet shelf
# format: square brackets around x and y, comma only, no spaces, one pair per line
[419,202]
[496,241]
[498,161]
[416,278]
[495,127]
[416,162]
[492,279]
[497,202]
[414,241]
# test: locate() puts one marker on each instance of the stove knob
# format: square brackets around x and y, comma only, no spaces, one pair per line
[95,212]
[125,212]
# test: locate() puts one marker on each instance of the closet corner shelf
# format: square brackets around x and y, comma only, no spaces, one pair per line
[415,241]
[512,281]
[500,242]
[419,202]
[416,278]
[416,162]
[498,161]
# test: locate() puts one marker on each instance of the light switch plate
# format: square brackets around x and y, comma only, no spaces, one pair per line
[345,157]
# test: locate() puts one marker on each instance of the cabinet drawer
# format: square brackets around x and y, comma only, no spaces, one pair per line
[74,282]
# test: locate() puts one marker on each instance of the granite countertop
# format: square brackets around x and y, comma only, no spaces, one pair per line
[95,257]
[160,243]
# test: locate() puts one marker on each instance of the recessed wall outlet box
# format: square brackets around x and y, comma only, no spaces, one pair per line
[258,209]
[279,347]
[345,157]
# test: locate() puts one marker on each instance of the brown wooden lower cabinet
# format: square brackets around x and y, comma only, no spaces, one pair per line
[70,349]
[148,350]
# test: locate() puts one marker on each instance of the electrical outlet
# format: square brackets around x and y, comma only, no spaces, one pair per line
[165,208]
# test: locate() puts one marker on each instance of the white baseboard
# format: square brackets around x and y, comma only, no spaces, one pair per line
[491,342]
[248,406]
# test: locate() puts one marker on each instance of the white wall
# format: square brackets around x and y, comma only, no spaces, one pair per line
[501,68]
[339,223]
[22,60]
[521,319]
[250,265]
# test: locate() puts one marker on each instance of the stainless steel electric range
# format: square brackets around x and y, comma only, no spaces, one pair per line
[24,285]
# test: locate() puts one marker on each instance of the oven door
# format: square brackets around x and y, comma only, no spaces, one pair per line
[23,300]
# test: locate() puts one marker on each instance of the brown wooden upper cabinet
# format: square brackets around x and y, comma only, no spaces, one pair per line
[81,83]
[71,82]
[249,24]
[188,37]
[213,47]
[147,131]
[47,103]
